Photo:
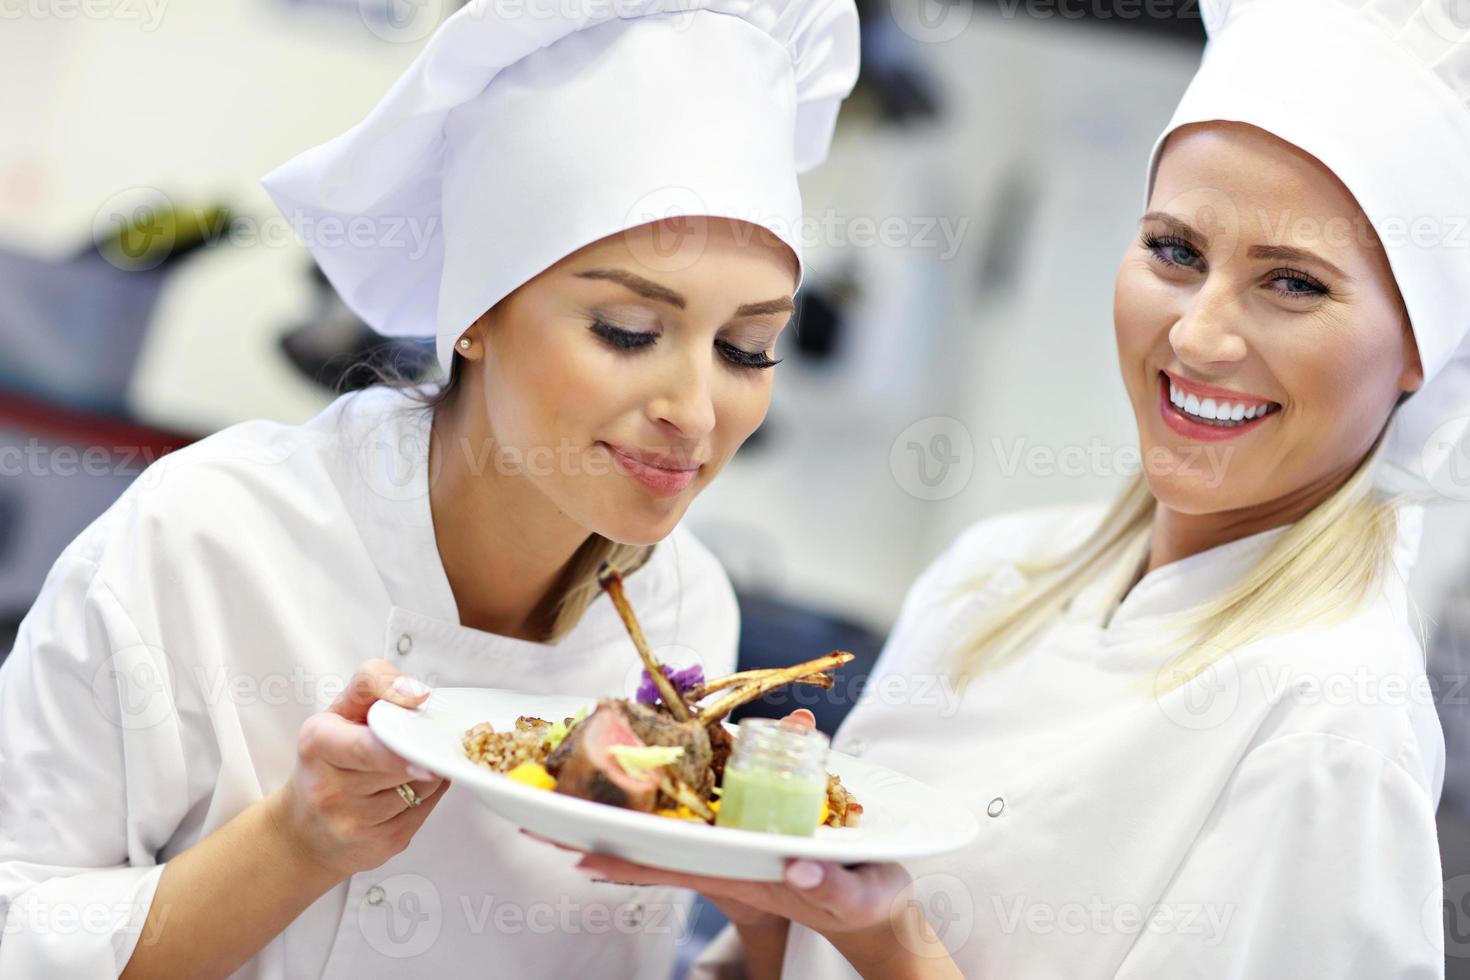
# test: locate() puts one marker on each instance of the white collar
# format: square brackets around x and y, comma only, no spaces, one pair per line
[385,455]
[1170,588]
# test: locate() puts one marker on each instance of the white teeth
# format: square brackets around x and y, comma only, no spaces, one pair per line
[1212,410]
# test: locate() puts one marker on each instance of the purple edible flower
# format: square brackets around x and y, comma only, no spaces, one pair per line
[683,680]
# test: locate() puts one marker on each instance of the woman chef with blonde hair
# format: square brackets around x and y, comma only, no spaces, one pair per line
[1197,730]
[611,207]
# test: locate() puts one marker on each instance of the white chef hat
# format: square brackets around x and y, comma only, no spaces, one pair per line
[527,129]
[1379,91]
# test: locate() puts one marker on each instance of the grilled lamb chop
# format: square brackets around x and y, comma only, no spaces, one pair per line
[650,726]
[656,727]
[584,767]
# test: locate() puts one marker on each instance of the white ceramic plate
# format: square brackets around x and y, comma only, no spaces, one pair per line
[902,818]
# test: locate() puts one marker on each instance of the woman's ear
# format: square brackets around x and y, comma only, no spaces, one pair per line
[471,344]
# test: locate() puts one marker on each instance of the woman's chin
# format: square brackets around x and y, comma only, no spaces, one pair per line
[633,526]
[1179,501]
[1189,493]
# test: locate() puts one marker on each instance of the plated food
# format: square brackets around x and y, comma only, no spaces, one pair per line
[667,750]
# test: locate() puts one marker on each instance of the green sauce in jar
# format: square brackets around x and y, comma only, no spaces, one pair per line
[775,780]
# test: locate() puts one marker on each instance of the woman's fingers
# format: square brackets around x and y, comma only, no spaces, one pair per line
[342,744]
[828,885]
[820,895]
[377,680]
[800,718]
[856,897]
[387,804]
[340,801]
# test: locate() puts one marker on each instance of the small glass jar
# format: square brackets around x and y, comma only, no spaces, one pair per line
[775,780]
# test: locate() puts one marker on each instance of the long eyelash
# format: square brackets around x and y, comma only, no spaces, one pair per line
[632,340]
[744,358]
[621,339]
[1319,288]
[1155,243]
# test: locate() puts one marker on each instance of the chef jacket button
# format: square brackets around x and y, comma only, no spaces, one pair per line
[997,807]
[856,746]
[405,644]
[634,915]
[375,895]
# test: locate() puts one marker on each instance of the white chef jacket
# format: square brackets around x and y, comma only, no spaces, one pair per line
[1272,818]
[157,687]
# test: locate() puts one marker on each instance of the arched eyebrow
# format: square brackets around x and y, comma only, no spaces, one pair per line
[782,305]
[1177,227]
[1284,253]
[649,289]
[1287,253]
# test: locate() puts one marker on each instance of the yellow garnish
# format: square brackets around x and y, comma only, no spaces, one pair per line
[826,812]
[682,812]
[534,775]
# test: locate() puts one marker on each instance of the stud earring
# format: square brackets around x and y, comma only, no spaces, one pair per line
[464,343]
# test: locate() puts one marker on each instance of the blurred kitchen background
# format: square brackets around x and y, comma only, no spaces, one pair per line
[954,356]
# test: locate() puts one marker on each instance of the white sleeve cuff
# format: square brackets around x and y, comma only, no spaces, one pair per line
[78,925]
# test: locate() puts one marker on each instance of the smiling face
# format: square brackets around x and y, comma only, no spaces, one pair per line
[1258,325]
[620,381]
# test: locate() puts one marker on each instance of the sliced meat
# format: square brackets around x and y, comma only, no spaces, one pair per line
[587,769]
[655,726]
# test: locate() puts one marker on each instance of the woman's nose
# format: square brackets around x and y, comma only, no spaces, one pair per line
[685,399]
[1208,331]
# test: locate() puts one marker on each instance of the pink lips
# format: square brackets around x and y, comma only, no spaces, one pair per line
[659,475]
[1202,431]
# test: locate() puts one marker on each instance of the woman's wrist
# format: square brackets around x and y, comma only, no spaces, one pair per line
[764,946]
[289,843]
[903,948]
[240,886]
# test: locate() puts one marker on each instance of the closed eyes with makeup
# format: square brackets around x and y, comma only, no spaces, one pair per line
[633,341]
